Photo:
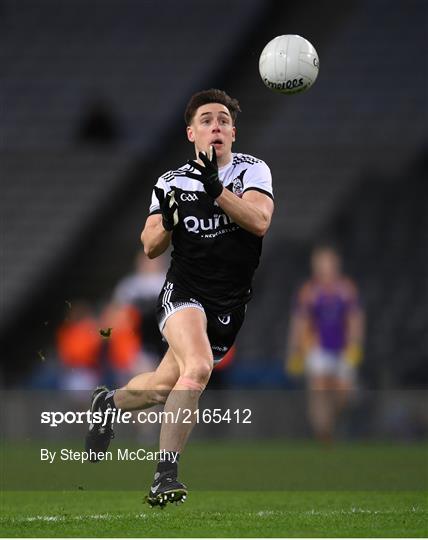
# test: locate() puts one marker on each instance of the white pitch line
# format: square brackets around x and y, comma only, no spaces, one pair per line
[261,513]
[76,518]
[313,512]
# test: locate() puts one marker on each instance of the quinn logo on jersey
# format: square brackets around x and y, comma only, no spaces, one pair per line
[196,225]
[238,184]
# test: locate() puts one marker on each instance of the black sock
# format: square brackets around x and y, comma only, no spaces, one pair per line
[169,463]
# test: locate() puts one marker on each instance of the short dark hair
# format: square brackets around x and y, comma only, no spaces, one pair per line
[213,95]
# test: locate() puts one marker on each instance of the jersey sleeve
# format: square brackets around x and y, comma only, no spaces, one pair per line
[154,203]
[259,178]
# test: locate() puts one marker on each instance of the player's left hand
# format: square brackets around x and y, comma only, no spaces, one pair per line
[295,365]
[353,355]
[209,173]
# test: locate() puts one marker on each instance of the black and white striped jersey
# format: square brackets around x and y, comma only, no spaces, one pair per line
[214,258]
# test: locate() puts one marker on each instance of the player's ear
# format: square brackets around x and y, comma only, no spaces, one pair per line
[190,134]
[233,133]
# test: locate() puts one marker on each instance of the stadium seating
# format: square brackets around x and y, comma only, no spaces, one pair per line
[363,114]
[57,58]
[362,120]
[381,229]
[47,199]
[384,238]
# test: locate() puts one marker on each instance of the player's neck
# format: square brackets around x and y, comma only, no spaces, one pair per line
[222,161]
[327,282]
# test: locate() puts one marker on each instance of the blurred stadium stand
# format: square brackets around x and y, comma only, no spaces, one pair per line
[58,55]
[85,50]
[381,229]
[345,158]
[384,238]
[47,198]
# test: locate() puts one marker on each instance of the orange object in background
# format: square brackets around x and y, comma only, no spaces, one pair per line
[78,340]
[124,344]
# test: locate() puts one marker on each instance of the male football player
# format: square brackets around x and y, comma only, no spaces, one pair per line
[326,339]
[215,211]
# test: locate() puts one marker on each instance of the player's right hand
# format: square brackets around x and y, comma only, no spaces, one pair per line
[168,207]
[208,172]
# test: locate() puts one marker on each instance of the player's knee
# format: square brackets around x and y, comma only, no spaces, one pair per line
[198,370]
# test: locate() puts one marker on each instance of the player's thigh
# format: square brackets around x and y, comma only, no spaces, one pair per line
[345,385]
[321,383]
[186,334]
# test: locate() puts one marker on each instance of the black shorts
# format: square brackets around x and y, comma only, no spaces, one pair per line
[222,328]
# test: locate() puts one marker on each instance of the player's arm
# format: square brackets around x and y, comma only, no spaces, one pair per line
[294,360]
[157,232]
[355,328]
[154,237]
[253,212]
[297,344]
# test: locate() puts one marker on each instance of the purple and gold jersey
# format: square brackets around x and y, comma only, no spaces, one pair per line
[327,309]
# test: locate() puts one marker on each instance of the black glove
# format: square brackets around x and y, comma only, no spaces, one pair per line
[168,208]
[209,173]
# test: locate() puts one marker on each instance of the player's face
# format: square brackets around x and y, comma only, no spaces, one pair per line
[212,125]
[326,265]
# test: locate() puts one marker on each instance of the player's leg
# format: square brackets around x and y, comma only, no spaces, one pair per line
[150,388]
[185,331]
[186,334]
[344,385]
[321,407]
[142,391]
[330,394]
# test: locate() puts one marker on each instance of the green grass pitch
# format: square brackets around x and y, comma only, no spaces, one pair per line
[261,489]
[223,514]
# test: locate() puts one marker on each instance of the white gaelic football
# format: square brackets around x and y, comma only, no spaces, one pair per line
[289,64]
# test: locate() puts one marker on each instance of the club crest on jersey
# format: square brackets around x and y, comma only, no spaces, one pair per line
[238,185]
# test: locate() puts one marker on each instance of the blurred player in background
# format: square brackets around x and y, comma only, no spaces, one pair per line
[78,348]
[141,290]
[325,342]
[215,211]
